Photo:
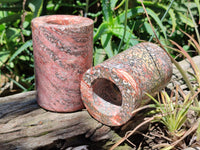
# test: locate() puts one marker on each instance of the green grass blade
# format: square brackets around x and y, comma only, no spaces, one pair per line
[132,13]
[99,56]
[122,2]
[125,27]
[36,7]
[18,84]
[153,99]
[198,7]
[168,147]
[167,10]
[21,49]
[106,43]
[157,20]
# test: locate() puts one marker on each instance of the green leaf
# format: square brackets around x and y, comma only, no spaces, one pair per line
[36,7]
[173,18]
[129,37]
[107,11]
[21,49]
[132,13]
[106,43]
[186,47]
[26,32]
[161,6]
[4,57]
[99,56]
[13,8]
[186,19]
[10,18]
[103,28]
[12,33]
[2,27]
[113,4]
[10,1]
[148,28]
[158,21]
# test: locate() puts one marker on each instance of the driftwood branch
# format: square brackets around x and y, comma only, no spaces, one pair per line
[24,125]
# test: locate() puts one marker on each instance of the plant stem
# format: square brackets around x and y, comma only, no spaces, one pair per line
[86,8]
[125,24]
[163,17]
[195,26]
[183,73]
[122,2]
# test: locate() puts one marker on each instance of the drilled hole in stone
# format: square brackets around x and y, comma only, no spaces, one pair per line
[107,90]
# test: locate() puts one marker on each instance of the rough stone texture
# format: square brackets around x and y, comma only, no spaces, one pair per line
[25,126]
[112,90]
[63,51]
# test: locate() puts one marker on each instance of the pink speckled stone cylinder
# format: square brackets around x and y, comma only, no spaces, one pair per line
[112,90]
[63,51]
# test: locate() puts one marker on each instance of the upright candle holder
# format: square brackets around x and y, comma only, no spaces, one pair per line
[63,51]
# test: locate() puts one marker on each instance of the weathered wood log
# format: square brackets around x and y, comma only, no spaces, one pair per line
[24,125]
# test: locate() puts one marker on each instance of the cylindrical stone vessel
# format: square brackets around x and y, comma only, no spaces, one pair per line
[112,90]
[63,51]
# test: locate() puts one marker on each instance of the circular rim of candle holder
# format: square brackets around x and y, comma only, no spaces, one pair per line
[51,20]
[100,109]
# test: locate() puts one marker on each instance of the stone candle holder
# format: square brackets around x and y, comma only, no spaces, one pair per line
[112,90]
[63,51]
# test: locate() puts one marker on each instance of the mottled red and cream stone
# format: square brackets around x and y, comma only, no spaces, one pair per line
[112,90]
[63,51]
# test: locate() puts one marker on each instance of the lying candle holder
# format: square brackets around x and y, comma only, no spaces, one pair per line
[112,90]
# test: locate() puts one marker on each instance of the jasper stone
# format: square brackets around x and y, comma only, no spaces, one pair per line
[112,90]
[63,51]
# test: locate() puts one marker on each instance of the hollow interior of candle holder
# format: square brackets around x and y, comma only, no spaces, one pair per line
[107,91]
